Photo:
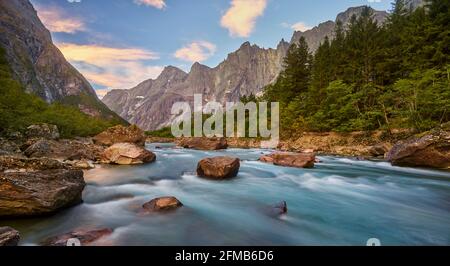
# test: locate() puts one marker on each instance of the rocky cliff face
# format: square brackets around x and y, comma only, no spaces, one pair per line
[245,71]
[38,64]
[317,34]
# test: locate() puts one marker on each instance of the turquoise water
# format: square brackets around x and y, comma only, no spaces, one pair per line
[340,202]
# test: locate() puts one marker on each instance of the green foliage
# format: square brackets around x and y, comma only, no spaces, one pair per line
[369,76]
[19,109]
[165,132]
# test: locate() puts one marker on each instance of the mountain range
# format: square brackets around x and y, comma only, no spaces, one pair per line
[245,71]
[42,70]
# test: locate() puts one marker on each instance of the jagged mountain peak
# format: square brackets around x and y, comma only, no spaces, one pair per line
[171,72]
[199,67]
[345,17]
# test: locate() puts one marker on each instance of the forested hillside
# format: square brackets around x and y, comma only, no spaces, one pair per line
[19,109]
[367,76]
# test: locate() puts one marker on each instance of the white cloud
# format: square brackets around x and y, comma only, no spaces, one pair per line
[57,20]
[118,68]
[196,51]
[300,26]
[240,18]
[74,1]
[160,4]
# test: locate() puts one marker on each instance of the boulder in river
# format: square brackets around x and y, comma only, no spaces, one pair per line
[39,192]
[290,159]
[85,237]
[9,237]
[162,204]
[221,167]
[45,131]
[121,134]
[207,144]
[266,159]
[429,150]
[281,208]
[127,154]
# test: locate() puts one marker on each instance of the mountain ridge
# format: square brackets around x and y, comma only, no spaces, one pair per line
[228,81]
[39,65]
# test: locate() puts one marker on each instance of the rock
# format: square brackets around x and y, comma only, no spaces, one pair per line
[121,134]
[40,192]
[162,204]
[280,208]
[85,237]
[40,148]
[291,159]
[380,149]
[203,143]
[430,150]
[127,153]
[218,167]
[63,149]
[17,163]
[80,164]
[9,147]
[153,139]
[45,131]
[266,159]
[9,237]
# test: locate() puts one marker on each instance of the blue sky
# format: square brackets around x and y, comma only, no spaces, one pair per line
[119,43]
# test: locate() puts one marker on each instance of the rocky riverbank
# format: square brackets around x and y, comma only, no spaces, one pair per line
[400,147]
[41,173]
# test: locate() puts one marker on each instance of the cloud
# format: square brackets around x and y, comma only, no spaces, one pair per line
[196,51]
[160,4]
[240,18]
[74,1]
[118,68]
[300,26]
[57,20]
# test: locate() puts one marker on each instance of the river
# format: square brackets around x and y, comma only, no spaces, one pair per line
[341,201]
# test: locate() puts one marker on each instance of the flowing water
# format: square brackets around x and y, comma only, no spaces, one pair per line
[340,202]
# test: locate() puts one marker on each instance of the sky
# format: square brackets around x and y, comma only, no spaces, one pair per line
[116,44]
